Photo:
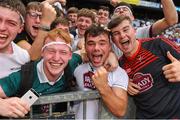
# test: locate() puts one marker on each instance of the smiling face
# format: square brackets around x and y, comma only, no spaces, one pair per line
[97,48]
[83,23]
[103,16]
[10,26]
[56,57]
[124,36]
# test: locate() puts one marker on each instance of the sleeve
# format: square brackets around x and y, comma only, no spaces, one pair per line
[75,61]
[119,79]
[167,45]
[11,83]
[143,32]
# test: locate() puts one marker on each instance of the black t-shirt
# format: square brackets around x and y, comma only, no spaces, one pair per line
[23,36]
[158,98]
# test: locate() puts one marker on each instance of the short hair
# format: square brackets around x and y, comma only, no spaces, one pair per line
[63,21]
[118,20]
[72,10]
[55,33]
[15,5]
[95,30]
[124,4]
[105,8]
[34,6]
[84,12]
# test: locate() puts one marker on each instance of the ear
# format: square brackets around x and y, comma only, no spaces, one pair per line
[70,55]
[21,28]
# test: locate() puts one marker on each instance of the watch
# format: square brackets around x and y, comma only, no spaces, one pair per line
[44,28]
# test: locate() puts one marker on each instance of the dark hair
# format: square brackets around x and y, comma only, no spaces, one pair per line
[72,10]
[15,5]
[105,8]
[63,21]
[124,4]
[118,20]
[95,30]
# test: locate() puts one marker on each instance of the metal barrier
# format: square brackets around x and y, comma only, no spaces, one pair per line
[82,96]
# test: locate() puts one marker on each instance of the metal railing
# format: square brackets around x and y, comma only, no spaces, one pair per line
[81,96]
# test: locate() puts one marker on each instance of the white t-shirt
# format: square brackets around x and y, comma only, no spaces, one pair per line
[117,78]
[13,62]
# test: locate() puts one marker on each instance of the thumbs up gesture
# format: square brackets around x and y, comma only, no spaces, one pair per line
[172,70]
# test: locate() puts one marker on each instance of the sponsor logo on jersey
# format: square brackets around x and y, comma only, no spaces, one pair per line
[145,81]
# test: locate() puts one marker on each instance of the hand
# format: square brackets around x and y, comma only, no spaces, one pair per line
[48,14]
[114,2]
[13,107]
[111,62]
[133,89]
[100,78]
[172,70]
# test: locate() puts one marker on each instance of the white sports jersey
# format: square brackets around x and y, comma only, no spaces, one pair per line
[13,62]
[117,78]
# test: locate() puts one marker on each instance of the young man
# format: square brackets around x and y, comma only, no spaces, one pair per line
[72,14]
[103,15]
[93,75]
[170,18]
[49,75]
[84,21]
[32,23]
[11,23]
[154,73]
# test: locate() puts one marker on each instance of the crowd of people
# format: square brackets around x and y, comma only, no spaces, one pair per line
[87,49]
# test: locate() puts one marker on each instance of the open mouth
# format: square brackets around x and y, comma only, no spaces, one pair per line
[56,65]
[3,37]
[97,58]
[35,27]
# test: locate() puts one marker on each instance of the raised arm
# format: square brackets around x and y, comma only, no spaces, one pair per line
[48,16]
[170,17]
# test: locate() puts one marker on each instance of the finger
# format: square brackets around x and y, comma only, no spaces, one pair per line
[167,67]
[169,55]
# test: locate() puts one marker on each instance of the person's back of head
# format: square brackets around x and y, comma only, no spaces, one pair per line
[15,5]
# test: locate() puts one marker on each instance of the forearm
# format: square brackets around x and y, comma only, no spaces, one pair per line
[35,51]
[170,13]
[114,103]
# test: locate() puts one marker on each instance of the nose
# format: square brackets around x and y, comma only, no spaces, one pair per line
[122,34]
[56,56]
[2,26]
[96,47]
[38,19]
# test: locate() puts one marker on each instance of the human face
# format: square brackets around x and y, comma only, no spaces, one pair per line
[124,11]
[83,23]
[32,22]
[72,17]
[55,58]
[103,16]
[10,26]
[97,49]
[124,36]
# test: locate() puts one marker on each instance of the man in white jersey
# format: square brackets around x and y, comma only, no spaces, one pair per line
[112,86]
[12,14]
[170,18]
